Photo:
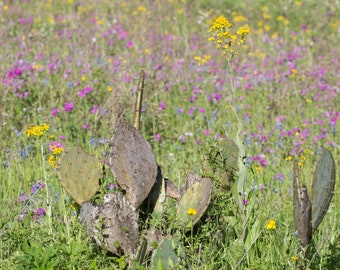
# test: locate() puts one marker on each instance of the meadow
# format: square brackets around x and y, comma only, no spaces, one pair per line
[71,68]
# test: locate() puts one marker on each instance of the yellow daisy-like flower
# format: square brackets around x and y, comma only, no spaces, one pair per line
[271,224]
[295,258]
[192,212]
[37,130]
[52,161]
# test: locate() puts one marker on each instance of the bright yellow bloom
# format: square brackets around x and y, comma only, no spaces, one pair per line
[37,130]
[289,158]
[228,41]
[271,224]
[52,160]
[295,258]
[192,212]
[56,150]
[109,88]
[239,18]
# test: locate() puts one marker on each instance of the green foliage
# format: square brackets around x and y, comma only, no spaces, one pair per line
[286,98]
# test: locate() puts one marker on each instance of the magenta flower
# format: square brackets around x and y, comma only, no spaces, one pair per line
[129,44]
[94,109]
[68,107]
[55,111]
[85,91]
[162,106]
[157,137]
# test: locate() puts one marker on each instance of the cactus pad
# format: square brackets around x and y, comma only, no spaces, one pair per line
[164,257]
[79,174]
[133,163]
[114,226]
[322,186]
[197,197]
[221,162]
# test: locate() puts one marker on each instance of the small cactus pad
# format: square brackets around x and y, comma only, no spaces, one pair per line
[133,163]
[79,174]
[197,197]
[164,257]
[322,186]
[114,226]
[221,162]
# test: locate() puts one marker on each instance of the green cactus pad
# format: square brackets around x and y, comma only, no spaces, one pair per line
[221,162]
[322,186]
[133,163]
[196,197]
[79,173]
[164,257]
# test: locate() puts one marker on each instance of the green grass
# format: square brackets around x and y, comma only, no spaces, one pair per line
[287,97]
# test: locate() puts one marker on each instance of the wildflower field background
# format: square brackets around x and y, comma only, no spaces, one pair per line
[69,72]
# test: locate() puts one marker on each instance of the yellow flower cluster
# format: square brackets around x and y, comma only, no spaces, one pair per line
[192,212]
[271,224]
[37,130]
[56,151]
[229,42]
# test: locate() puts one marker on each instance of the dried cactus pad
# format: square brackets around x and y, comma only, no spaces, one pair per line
[197,197]
[322,186]
[133,163]
[114,226]
[79,174]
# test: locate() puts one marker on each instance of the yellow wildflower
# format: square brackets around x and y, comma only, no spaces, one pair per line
[295,258]
[109,88]
[271,224]
[289,158]
[192,212]
[37,130]
[52,160]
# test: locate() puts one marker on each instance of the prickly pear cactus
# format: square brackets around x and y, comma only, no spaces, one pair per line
[133,163]
[79,174]
[164,257]
[322,186]
[196,197]
[221,162]
[114,225]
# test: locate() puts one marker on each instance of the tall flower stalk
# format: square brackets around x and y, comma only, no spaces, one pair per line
[230,44]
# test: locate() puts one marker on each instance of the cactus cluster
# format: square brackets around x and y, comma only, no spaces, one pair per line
[309,212]
[114,225]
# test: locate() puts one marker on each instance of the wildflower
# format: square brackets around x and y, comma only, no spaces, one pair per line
[68,107]
[37,130]
[289,158]
[109,88]
[271,224]
[295,258]
[52,161]
[157,137]
[192,212]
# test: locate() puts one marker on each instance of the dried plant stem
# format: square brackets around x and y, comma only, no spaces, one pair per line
[139,99]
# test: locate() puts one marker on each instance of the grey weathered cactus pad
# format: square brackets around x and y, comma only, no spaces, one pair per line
[323,186]
[79,173]
[114,226]
[132,162]
[197,197]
